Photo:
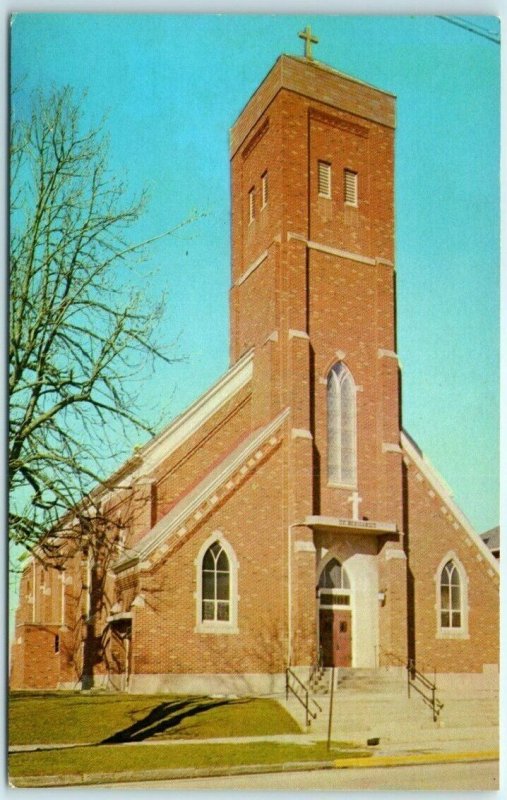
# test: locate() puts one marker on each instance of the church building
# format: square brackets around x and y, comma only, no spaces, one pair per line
[286,518]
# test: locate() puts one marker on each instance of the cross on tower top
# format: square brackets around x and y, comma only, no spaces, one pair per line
[309,40]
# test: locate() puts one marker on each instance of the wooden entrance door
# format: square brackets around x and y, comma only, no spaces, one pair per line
[335,637]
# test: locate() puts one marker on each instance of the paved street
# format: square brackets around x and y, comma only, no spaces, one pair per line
[464,777]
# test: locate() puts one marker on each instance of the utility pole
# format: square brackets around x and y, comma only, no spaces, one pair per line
[330,710]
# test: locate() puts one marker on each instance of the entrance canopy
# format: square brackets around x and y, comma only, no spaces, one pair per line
[361,526]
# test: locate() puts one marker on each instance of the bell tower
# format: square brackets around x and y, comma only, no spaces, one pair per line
[313,291]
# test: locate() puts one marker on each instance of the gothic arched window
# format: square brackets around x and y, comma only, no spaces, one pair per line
[215,584]
[217,596]
[450,597]
[341,426]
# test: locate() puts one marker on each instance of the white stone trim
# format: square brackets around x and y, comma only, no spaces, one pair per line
[352,525]
[334,251]
[438,483]
[236,684]
[382,353]
[253,266]
[395,553]
[391,447]
[294,334]
[301,546]
[301,433]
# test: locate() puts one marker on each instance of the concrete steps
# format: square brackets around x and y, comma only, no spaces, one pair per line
[373,704]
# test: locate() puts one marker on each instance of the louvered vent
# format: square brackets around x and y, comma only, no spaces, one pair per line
[264,183]
[350,187]
[324,179]
[251,205]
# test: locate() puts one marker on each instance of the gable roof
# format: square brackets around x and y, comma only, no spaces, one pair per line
[415,454]
[215,486]
[149,456]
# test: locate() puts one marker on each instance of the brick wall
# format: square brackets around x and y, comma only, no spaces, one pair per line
[253,522]
[433,533]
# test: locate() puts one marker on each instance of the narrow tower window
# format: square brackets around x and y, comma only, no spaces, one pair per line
[251,204]
[264,185]
[324,179]
[350,190]
[341,426]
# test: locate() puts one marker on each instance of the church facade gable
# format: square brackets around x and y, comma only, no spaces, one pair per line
[285,519]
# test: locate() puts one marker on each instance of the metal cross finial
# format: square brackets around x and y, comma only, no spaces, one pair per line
[309,40]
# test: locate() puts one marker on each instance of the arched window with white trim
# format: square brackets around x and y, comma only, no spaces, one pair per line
[216,587]
[341,426]
[452,598]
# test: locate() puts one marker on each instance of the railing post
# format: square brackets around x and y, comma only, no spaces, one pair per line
[286,685]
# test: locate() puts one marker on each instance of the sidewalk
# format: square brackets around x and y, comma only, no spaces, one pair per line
[389,756]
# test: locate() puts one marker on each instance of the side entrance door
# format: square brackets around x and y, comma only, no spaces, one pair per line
[335,637]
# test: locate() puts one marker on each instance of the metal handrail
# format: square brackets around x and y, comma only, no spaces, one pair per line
[317,667]
[413,675]
[307,699]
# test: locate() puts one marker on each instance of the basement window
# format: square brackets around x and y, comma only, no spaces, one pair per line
[324,179]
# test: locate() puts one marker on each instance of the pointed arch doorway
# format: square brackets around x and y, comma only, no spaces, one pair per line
[335,615]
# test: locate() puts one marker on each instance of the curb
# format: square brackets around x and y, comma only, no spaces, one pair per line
[416,759]
[84,779]
[165,774]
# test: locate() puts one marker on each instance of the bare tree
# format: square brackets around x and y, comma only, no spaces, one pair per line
[77,334]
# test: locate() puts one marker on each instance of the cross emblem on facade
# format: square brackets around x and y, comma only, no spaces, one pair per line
[309,40]
[355,500]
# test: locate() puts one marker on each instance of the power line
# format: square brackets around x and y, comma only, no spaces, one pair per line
[469,26]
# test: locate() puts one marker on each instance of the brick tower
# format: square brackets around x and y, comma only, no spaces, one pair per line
[313,290]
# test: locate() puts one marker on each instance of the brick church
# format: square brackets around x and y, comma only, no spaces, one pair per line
[286,518]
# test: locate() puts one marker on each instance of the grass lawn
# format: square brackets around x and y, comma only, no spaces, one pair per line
[124,758]
[63,717]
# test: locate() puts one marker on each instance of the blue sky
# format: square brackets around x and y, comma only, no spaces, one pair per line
[170,87]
